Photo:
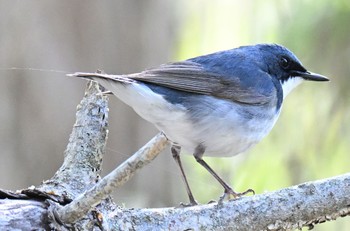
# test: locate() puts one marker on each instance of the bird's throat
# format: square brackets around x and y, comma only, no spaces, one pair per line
[289,84]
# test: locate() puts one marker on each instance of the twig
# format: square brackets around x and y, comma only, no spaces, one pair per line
[89,199]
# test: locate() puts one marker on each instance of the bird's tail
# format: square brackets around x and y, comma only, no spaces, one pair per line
[96,76]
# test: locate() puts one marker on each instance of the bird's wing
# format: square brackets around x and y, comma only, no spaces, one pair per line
[192,77]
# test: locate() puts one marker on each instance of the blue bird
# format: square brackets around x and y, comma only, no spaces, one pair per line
[219,104]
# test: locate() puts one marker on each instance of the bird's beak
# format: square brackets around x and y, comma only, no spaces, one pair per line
[311,76]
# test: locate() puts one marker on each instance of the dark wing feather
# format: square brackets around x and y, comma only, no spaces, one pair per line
[192,77]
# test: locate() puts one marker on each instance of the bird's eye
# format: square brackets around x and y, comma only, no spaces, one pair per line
[284,62]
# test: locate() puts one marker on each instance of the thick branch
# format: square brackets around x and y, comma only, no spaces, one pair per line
[83,155]
[295,207]
[290,208]
[23,215]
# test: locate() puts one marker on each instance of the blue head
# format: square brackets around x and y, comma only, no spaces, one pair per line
[246,62]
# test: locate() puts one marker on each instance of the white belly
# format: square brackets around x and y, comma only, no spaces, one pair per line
[218,126]
[223,133]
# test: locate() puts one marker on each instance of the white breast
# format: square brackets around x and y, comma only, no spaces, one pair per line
[227,131]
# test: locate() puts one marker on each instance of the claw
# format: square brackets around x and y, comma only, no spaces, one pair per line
[231,195]
[185,205]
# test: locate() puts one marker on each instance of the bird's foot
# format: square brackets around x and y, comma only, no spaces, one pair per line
[212,202]
[185,205]
[230,194]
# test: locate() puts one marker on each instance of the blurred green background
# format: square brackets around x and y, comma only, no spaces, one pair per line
[310,141]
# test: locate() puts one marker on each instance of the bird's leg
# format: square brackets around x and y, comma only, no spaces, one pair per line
[103,90]
[175,150]
[228,191]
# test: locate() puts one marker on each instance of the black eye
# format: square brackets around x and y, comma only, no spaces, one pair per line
[284,62]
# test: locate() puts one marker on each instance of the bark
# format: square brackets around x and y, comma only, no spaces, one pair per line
[76,198]
[23,215]
[291,208]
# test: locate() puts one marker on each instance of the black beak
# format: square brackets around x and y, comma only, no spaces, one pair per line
[310,76]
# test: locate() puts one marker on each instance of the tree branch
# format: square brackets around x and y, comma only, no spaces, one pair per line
[79,172]
[89,199]
[83,155]
[23,215]
[299,206]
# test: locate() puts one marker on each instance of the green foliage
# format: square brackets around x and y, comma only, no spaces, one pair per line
[311,140]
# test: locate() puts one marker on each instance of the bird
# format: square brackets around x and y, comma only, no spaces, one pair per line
[220,104]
